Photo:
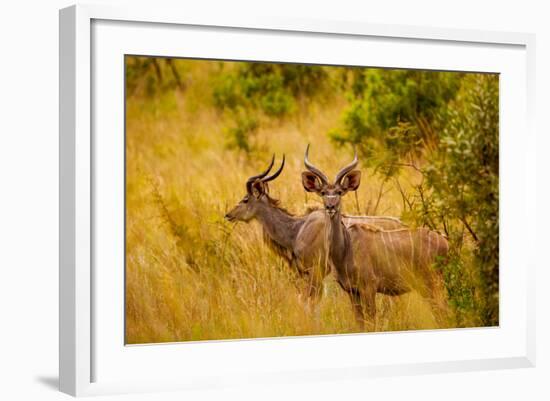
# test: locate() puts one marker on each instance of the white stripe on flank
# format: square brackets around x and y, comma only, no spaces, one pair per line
[429,244]
[393,248]
[385,248]
[412,248]
[420,247]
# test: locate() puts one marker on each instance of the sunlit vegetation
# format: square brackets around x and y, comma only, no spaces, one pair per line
[196,130]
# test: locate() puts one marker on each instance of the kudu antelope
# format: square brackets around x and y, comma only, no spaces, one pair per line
[298,239]
[368,260]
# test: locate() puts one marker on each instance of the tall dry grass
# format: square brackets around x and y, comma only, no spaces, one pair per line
[190,275]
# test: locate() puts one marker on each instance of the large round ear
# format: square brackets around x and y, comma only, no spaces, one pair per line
[351,181]
[311,182]
[258,188]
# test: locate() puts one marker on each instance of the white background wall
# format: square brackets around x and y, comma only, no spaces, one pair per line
[29,196]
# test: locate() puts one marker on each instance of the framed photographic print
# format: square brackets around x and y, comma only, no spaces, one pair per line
[271,200]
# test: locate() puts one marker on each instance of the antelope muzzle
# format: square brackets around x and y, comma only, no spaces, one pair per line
[332,203]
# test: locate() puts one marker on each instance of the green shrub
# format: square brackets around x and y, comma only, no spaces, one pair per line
[445,126]
[264,91]
[395,112]
[244,126]
[464,175]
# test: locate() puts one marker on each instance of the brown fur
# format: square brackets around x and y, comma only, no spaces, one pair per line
[368,259]
[297,239]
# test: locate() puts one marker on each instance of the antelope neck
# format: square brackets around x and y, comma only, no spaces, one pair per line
[336,236]
[278,225]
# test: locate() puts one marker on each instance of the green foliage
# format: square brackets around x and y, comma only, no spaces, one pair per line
[460,282]
[464,176]
[394,113]
[251,91]
[243,127]
[445,127]
[433,134]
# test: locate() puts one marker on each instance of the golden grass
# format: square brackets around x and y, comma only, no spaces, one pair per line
[190,275]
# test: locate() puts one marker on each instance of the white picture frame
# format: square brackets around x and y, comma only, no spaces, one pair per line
[84,349]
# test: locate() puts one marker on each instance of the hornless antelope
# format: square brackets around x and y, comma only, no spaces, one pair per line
[298,239]
[368,260]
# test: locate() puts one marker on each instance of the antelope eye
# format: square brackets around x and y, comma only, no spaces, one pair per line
[339,192]
[245,200]
[323,193]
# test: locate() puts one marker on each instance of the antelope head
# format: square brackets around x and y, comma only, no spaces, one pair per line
[257,191]
[314,180]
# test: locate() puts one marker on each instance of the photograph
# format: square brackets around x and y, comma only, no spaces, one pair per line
[267,199]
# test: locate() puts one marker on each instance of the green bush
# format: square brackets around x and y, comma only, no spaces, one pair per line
[464,176]
[243,127]
[394,113]
[261,91]
[445,126]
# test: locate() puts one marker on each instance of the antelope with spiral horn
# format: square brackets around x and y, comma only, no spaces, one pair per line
[298,239]
[368,260]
